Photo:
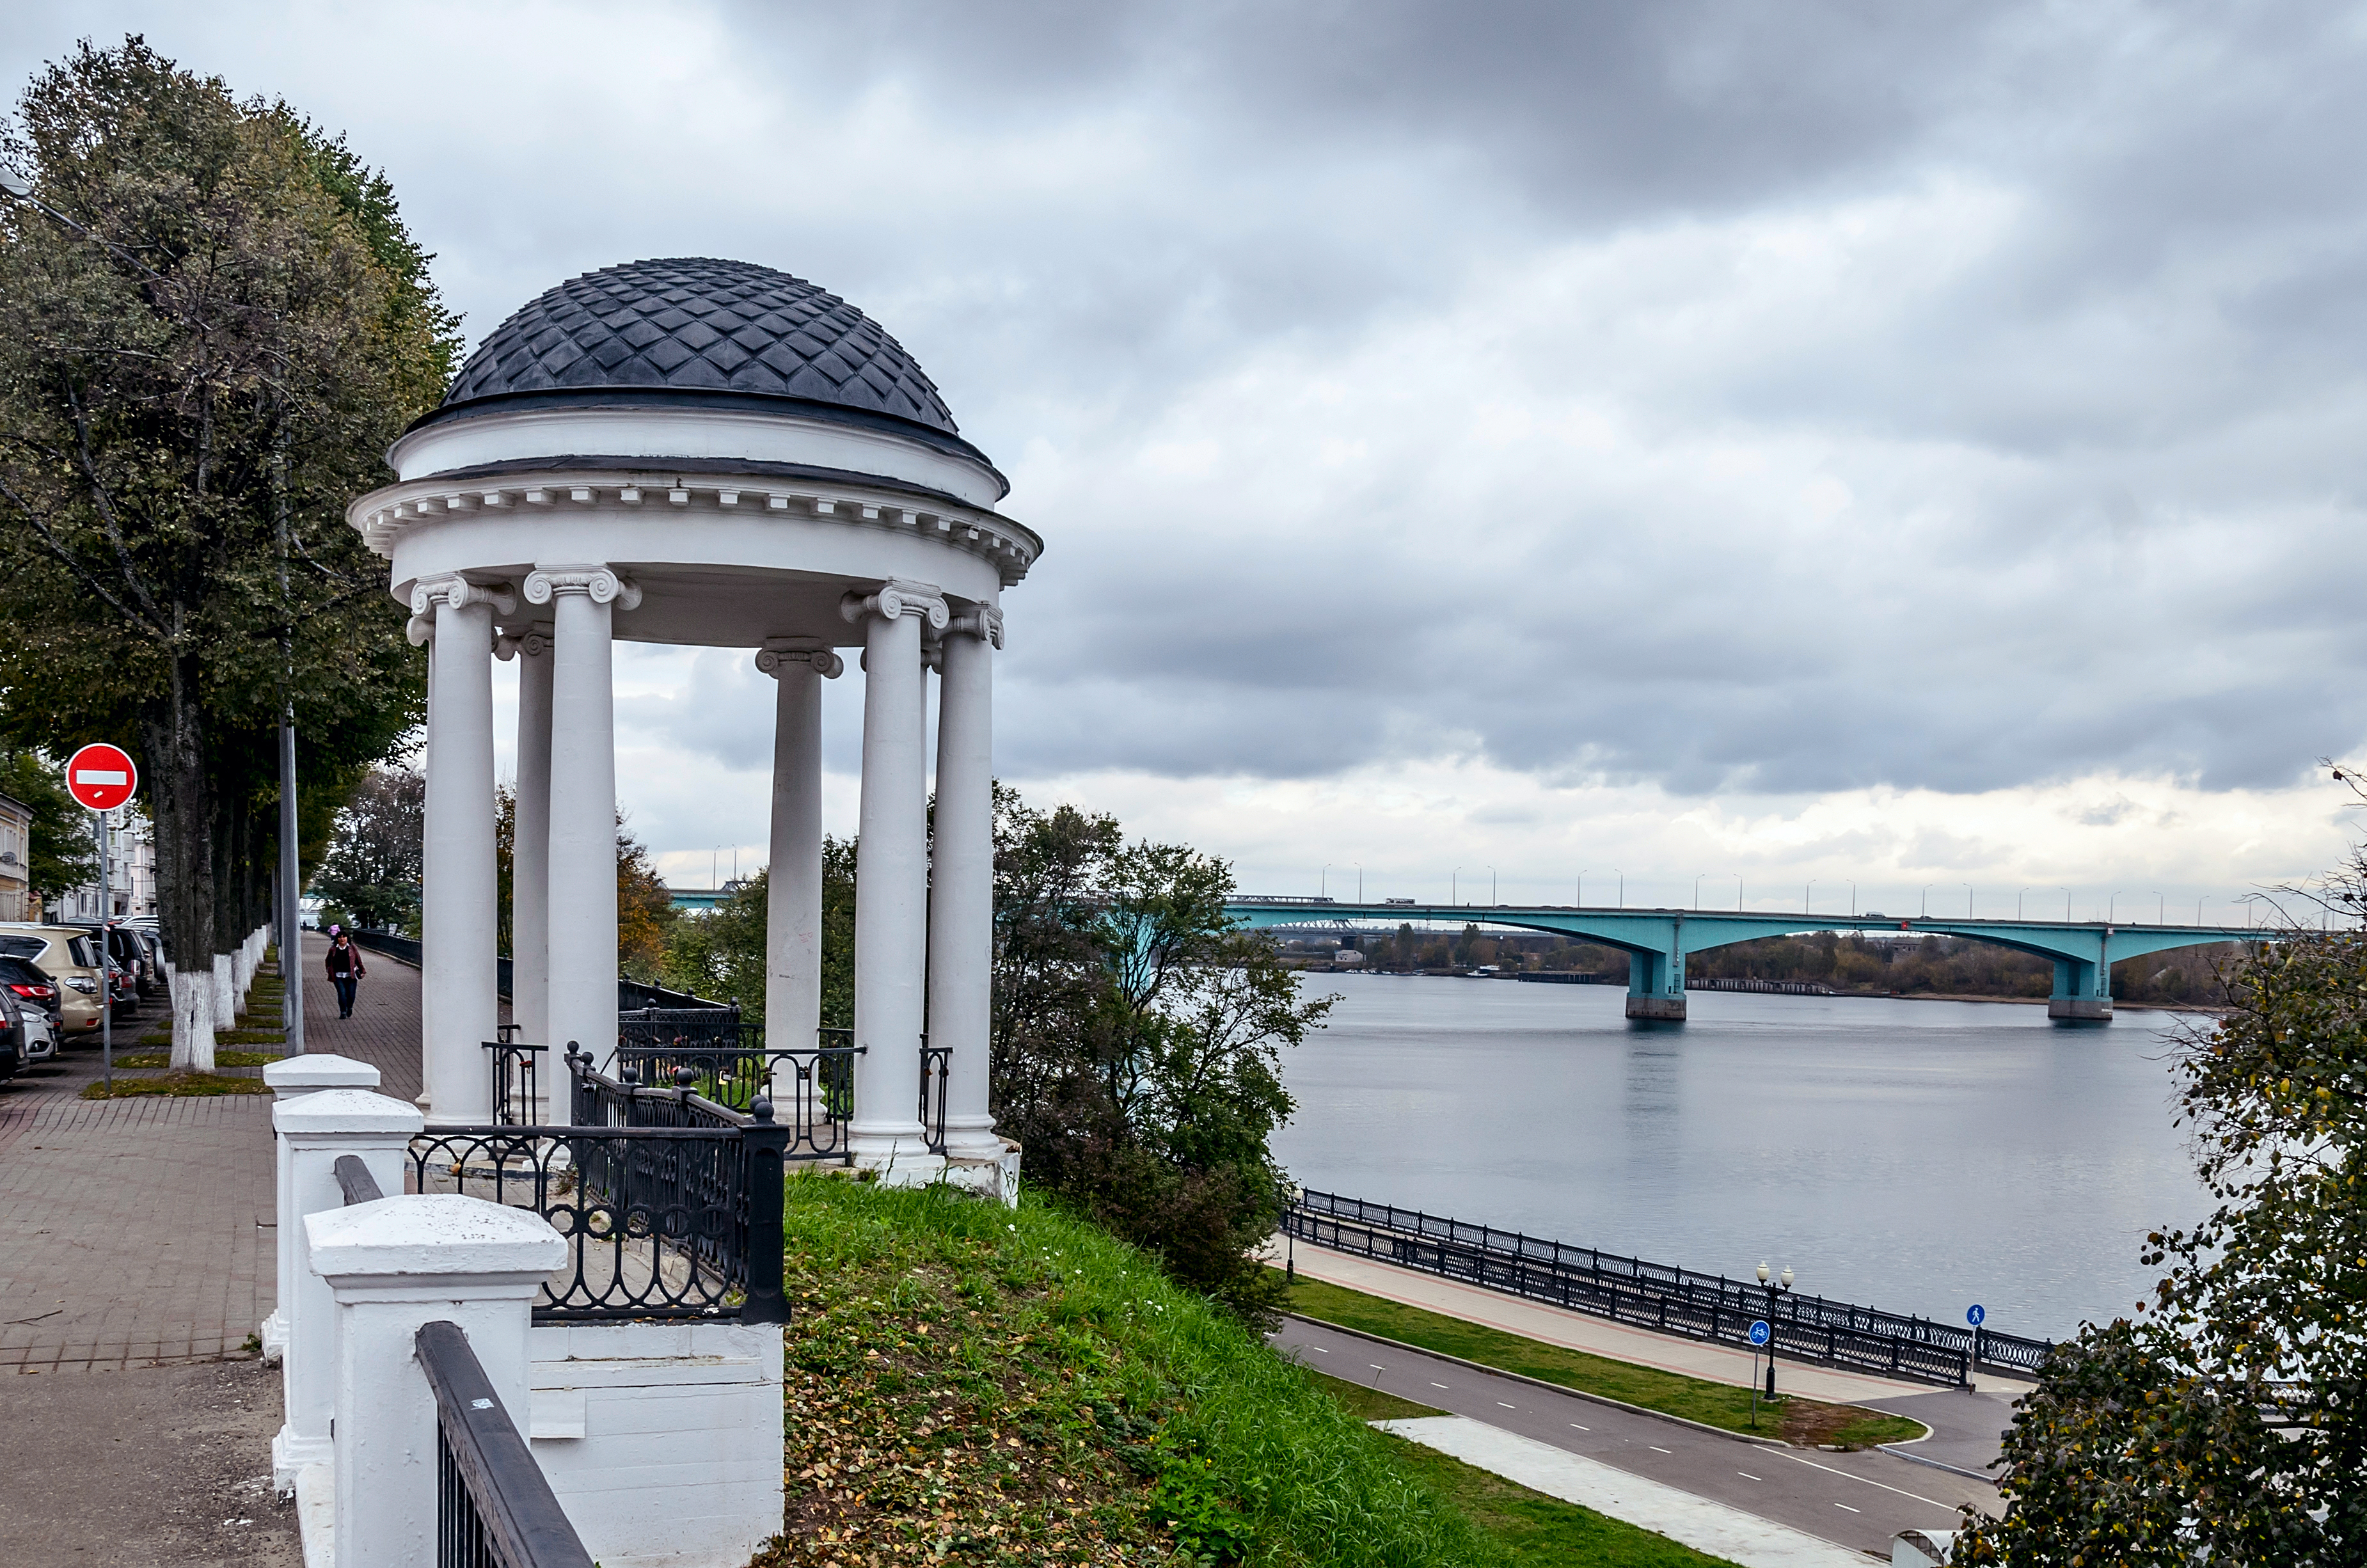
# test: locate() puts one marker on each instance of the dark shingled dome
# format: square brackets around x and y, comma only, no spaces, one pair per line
[695,325]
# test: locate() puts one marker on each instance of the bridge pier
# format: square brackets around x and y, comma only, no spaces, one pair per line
[2083,992]
[1656,986]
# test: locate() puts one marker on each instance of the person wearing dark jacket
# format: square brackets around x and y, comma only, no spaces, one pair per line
[345,968]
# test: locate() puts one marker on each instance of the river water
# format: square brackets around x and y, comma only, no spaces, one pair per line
[1918,1156]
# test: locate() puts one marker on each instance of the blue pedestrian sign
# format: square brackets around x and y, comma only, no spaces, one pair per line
[1759,1332]
[1976,1315]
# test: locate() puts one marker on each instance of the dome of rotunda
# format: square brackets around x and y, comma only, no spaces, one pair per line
[687,326]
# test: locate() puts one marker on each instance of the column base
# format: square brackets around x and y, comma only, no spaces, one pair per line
[292,1454]
[896,1159]
[1657,1009]
[994,1177]
[2080,1009]
[274,1335]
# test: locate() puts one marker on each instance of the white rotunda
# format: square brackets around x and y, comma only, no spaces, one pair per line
[715,454]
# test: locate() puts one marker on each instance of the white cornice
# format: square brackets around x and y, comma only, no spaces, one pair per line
[382,516]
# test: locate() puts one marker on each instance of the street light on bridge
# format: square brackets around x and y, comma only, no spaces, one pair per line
[1323,881]
[1697,883]
[2017,904]
[2161,905]
[1805,892]
[1852,882]
[1582,887]
[1968,901]
[1927,900]
[2067,906]
[2113,908]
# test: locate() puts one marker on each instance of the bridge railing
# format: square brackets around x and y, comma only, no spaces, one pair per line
[1658,1295]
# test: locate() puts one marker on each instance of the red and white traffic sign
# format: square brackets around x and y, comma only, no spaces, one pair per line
[101,777]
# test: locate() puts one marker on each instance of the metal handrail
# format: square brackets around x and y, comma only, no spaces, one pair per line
[495,1508]
[516,1078]
[937,1071]
[353,1179]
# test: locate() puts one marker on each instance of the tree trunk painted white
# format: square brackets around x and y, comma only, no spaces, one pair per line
[222,987]
[193,1017]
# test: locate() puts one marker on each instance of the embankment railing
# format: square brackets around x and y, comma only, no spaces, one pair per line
[1658,1296]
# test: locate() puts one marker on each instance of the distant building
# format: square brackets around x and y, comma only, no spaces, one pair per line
[16,859]
[131,876]
[1347,955]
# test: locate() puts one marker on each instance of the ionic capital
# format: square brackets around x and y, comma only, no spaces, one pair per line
[982,621]
[775,657]
[453,591]
[898,597]
[600,584]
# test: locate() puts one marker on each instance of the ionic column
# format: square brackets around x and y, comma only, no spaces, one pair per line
[531,844]
[582,921]
[892,880]
[793,885]
[457,882]
[961,879]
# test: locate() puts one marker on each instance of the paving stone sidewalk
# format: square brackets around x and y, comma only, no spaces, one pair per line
[140,1233]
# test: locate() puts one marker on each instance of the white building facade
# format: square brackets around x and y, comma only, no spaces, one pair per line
[707,453]
[131,875]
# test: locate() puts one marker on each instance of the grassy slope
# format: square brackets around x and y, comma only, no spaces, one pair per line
[1714,1404]
[984,1386]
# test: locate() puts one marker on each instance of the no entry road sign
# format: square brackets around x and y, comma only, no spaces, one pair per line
[101,777]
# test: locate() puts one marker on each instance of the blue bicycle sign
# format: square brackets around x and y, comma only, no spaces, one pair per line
[1759,1332]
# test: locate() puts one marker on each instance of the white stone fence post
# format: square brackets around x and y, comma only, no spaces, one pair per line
[290,1078]
[391,1267]
[314,1131]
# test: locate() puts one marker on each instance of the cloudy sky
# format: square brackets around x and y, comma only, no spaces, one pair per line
[1919,445]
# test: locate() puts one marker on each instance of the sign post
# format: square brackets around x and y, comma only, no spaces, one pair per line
[1760,1334]
[101,778]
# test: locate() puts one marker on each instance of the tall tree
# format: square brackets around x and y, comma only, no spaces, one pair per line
[62,853]
[1137,1042]
[2225,1420]
[211,323]
[371,874]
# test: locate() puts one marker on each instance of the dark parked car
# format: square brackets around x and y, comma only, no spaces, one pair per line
[11,1034]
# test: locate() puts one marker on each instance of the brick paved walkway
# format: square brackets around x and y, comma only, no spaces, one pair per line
[140,1233]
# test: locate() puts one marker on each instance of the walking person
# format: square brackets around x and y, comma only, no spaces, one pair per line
[345,968]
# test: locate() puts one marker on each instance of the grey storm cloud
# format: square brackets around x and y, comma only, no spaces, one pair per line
[1731,396]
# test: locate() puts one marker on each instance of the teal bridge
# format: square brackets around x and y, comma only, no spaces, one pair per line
[1656,940]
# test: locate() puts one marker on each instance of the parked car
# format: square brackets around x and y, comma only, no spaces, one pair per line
[40,993]
[132,985]
[12,1035]
[69,956]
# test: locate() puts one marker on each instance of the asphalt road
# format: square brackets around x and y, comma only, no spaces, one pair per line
[1857,1500]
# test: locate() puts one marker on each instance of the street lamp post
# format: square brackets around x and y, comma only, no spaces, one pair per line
[1805,892]
[2161,909]
[1782,1281]
[2112,907]
[1324,881]
[1697,883]
[1737,892]
[1927,899]
[2017,903]
[1455,887]
[1623,885]
[1852,882]
[1582,887]
[1968,901]
[1360,881]
[1493,902]
[2067,906]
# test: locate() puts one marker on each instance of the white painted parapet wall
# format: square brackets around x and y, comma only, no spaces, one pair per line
[314,1131]
[291,1077]
[391,1267]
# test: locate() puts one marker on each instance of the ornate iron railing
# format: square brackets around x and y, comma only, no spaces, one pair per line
[1658,1296]
[936,1065]
[670,1203]
[494,1507]
[516,1080]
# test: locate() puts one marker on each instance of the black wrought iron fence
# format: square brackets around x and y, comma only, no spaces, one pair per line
[516,1080]
[937,1067]
[495,1508]
[670,1203]
[1679,1301]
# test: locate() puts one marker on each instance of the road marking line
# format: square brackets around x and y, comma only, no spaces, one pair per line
[1376,1365]
[1658,1450]
[1748,1476]
[1575,1426]
[1319,1350]
[1845,1505]
[1508,1406]
[1885,1486]
[1438,1385]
